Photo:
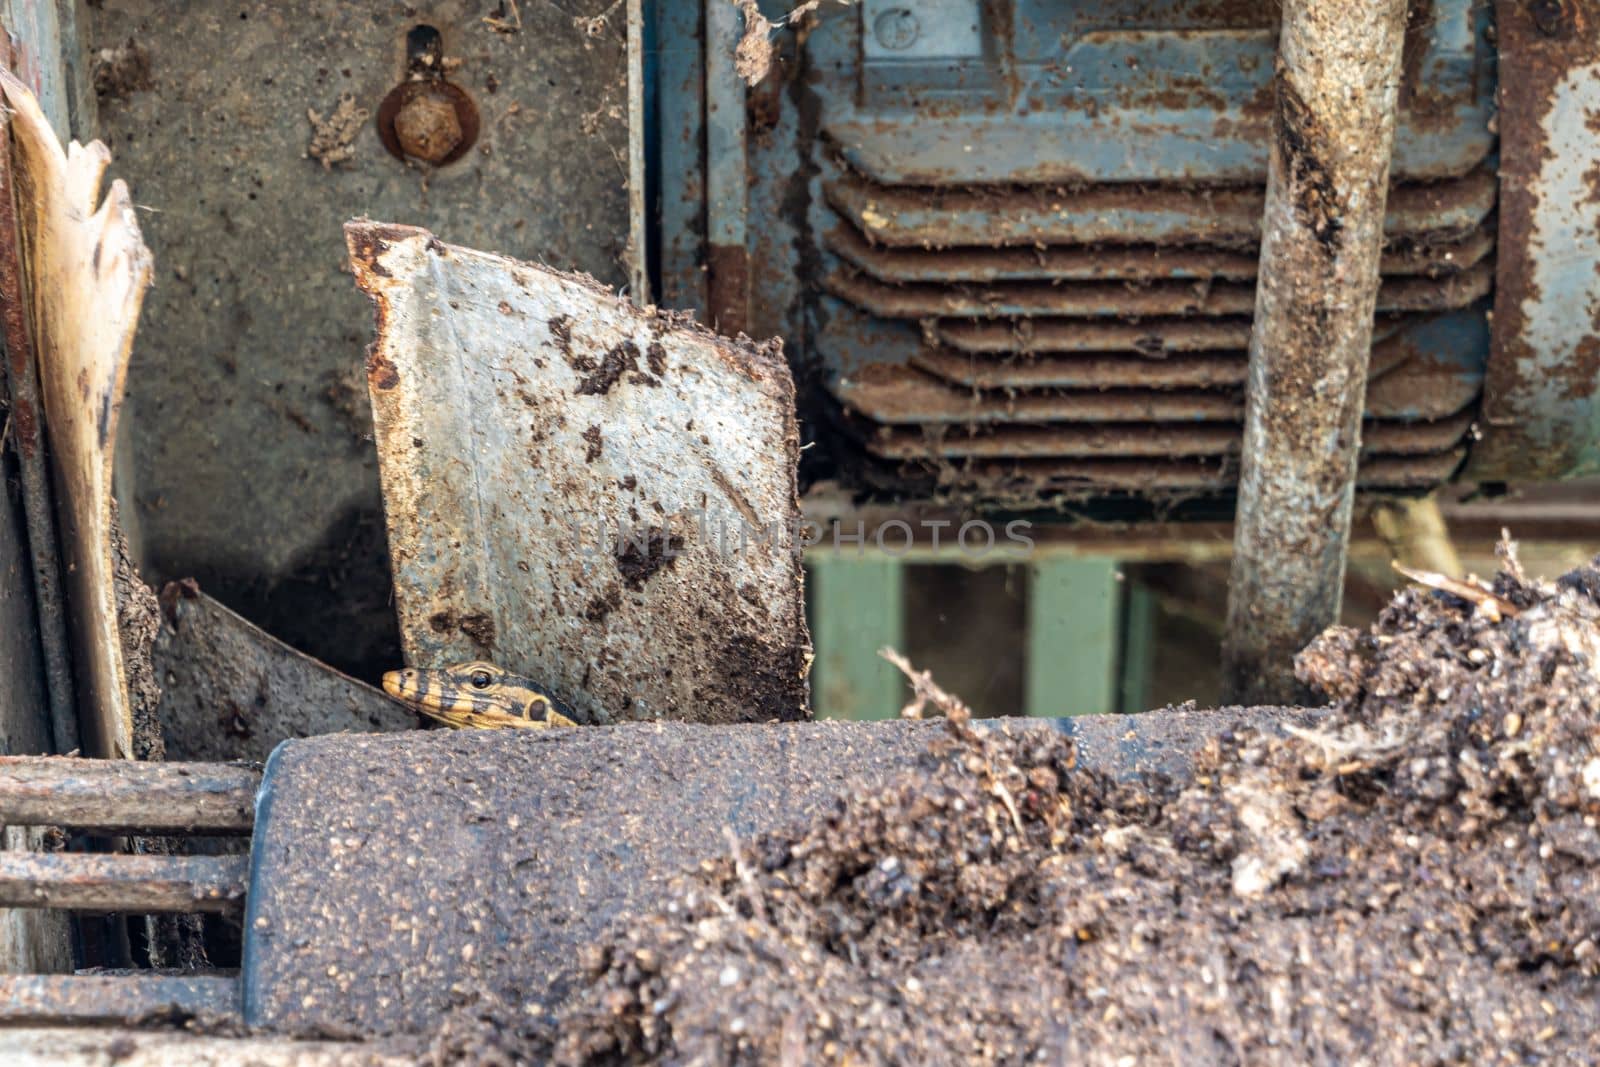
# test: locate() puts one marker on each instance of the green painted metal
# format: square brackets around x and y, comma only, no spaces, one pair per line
[857,608]
[1074,612]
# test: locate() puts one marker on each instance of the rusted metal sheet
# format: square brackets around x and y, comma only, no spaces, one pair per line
[124,884]
[1140,439]
[1143,263]
[230,691]
[1083,372]
[1323,230]
[25,409]
[487,861]
[566,479]
[1120,214]
[114,796]
[897,395]
[1542,395]
[1158,298]
[88,999]
[87,270]
[1418,388]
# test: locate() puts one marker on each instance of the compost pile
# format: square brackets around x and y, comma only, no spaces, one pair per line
[1415,878]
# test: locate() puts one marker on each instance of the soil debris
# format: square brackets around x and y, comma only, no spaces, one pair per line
[333,139]
[120,72]
[1416,878]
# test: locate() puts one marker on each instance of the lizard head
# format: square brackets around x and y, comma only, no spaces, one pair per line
[477,694]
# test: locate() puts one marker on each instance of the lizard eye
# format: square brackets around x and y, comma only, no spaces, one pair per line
[480,679]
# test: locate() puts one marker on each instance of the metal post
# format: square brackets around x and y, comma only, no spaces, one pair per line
[858,608]
[1322,232]
[1074,610]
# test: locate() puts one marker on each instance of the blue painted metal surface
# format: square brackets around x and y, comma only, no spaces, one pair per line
[959,146]
[1114,91]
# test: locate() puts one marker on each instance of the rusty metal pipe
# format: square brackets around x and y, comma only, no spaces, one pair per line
[136,885]
[1337,90]
[122,796]
[89,999]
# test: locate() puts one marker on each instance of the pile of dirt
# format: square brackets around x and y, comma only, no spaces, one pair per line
[1417,879]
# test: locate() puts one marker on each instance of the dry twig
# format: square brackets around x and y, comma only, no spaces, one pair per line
[1472,590]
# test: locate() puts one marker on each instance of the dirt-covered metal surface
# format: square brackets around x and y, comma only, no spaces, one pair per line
[250,134]
[1413,879]
[230,691]
[599,497]
[479,862]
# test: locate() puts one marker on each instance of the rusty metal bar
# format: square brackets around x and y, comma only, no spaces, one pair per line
[118,796]
[84,999]
[133,884]
[1333,134]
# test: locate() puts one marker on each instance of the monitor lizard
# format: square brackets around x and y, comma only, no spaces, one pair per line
[478,695]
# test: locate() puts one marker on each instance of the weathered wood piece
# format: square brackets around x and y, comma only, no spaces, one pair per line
[87,271]
[597,496]
[126,797]
[79,1047]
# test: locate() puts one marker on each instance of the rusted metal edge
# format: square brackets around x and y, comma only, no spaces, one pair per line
[1410,387]
[119,796]
[132,884]
[91,999]
[1542,391]
[1323,227]
[1101,299]
[1141,262]
[939,218]
[26,412]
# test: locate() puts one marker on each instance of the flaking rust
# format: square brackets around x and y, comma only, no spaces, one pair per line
[599,497]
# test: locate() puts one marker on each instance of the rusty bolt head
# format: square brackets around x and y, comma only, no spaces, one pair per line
[427,127]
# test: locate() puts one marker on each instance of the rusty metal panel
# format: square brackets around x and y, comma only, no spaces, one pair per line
[231,691]
[1542,394]
[1142,262]
[1140,439]
[1404,293]
[487,861]
[1121,214]
[566,478]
